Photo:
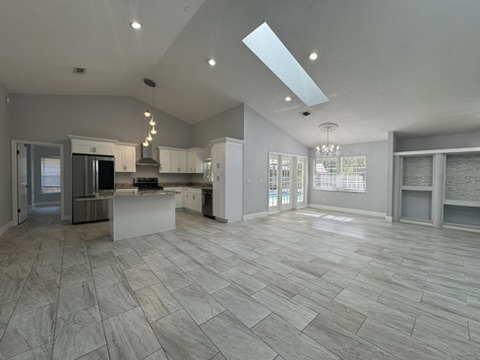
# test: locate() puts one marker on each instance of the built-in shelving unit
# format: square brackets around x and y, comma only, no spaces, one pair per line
[438,187]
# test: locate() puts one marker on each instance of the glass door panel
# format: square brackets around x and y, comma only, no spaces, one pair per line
[301,182]
[273,183]
[286,182]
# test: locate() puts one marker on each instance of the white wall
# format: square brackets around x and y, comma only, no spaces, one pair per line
[374,199]
[438,142]
[50,118]
[261,137]
[226,124]
[5,177]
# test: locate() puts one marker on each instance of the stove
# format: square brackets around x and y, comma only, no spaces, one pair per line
[146,183]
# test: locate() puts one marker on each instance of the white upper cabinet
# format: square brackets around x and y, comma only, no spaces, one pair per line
[93,146]
[172,160]
[125,158]
[195,159]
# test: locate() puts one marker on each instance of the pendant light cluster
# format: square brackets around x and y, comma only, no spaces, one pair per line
[149,120]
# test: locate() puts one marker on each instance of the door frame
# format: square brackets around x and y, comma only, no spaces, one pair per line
[14,169]
[294,158]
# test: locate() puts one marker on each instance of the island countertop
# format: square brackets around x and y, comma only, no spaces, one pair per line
[127,193]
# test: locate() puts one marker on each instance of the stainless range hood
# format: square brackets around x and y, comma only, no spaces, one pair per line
[146,159]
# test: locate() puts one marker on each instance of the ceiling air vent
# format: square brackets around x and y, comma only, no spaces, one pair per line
[306,113]
[79,70]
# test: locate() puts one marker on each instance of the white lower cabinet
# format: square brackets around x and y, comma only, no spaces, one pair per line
[192,199]
[178,196]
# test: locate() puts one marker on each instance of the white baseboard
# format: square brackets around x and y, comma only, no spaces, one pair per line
[255,215]
[348,210]
[5,227]
[67,217]
[463,228]
[389,218]
[416,222]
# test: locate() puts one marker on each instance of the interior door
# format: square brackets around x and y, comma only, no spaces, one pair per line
[301,198]
[22,185]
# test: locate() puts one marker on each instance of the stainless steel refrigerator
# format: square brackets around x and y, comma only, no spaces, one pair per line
[92,177]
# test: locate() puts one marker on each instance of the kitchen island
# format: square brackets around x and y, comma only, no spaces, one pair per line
[136,213]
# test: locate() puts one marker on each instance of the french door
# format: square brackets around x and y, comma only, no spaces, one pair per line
[286,182]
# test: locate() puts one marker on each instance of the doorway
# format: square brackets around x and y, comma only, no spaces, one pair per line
[286,182]
[37,177]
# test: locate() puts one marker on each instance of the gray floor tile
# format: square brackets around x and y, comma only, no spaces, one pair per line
[198,303]
[208,280]
[156,261]
[75,274]
[78,334]
[247,283]
[99,354]
[343,343]
[107,275]
[76,297]
[294,313]
[28,330]
[140,278]
[116,299]
[102,259]
[343,315]
[173,278]
[235,340]
[37,294]
[10,288]
[129,336]
[289,342]
[131,261]
[242,306]
[42,352]
[182,339]
[284,284]
[397,343]
[157,302]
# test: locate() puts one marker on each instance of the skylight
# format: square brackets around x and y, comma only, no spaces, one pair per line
[270,49]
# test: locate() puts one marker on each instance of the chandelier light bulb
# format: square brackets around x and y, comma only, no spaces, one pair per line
[153,131]
[145,143]
[147,113]
[149,137]
[152,122]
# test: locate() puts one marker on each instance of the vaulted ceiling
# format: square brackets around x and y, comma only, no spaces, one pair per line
[410,66]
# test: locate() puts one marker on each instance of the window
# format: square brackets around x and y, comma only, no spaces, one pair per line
[343,174]
[50,174]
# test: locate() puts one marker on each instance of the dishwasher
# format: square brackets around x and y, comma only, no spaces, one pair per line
[207,202]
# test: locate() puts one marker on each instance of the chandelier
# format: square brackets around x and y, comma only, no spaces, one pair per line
[327,150]
[148,116]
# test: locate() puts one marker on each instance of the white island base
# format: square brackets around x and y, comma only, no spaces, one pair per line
[139,215]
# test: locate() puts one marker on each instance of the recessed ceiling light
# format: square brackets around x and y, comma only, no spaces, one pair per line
[288,98]
[212,62]
[313,56]
[135,25]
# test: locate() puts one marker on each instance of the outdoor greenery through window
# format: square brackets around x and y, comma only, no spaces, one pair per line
[341,174]
[50,173]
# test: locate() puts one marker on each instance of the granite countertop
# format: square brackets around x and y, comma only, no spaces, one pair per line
[127,193]
[129,186]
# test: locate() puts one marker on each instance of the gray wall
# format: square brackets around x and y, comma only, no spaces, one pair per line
[5,173]
[37,153]
[261,137]
[50,118]
[438,142]
[375,197]
[226,124]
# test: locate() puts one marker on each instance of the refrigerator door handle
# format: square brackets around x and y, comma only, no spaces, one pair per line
[95,178]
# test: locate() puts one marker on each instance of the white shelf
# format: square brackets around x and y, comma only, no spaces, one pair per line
[417,188]
[468,150]
[461,203]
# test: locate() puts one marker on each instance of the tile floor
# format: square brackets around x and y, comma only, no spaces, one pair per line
[297,285]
